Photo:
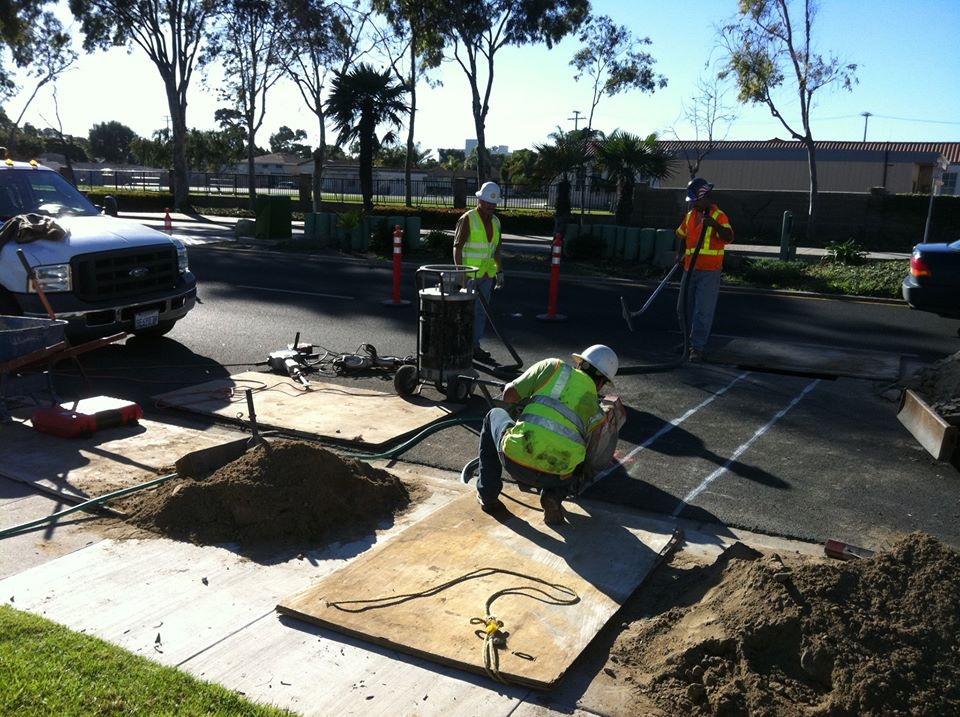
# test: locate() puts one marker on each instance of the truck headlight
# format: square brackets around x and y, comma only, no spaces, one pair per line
[52,277]
[183,264]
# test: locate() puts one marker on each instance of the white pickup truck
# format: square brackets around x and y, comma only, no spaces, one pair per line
[108,275]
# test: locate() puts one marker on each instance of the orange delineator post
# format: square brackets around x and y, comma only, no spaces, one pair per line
[556,251]
[397,268]
[167,222]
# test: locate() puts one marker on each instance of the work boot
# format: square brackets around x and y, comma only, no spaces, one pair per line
[482,356]
[552,509]
[491,507]
[696,356]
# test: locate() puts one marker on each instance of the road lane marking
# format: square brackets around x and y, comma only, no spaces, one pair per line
[665,429]
[303,293]
[744,447]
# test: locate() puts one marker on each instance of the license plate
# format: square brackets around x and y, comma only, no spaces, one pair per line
[146,319]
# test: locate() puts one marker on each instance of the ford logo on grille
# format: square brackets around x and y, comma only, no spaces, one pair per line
[139,272]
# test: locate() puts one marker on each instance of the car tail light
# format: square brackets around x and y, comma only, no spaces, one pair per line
[918,267]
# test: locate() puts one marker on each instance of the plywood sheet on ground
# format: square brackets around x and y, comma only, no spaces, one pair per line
[328,410]
[108,460]
[601,554]
[805,359]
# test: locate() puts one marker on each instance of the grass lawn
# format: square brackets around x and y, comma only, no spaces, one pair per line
[46,669]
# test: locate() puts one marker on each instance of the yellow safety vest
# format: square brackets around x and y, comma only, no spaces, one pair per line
[479,252]
[551,433]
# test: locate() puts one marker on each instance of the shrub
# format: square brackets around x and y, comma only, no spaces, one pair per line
[586,247]
[381,237]
[438,243]
[848,253]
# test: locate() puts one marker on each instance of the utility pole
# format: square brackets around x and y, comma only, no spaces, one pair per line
[575,119]
[866,118]
[167,118]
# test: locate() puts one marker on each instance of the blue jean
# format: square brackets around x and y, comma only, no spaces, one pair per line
[492,462]
[483,286]
[701,306]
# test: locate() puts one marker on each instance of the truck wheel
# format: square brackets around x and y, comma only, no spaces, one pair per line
[8,307]
[405,380]
[155,332]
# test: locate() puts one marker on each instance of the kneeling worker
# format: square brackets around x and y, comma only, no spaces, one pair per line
[548,442]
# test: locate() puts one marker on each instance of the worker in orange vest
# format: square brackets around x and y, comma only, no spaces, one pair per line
[705,277]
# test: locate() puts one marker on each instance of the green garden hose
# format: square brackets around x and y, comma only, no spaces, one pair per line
[85,505]
[94,502]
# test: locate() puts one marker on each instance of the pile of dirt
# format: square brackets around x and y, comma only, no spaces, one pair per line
[755,636]
[939,385]
[283,491]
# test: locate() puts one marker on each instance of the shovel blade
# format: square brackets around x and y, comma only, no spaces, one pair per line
[196,464]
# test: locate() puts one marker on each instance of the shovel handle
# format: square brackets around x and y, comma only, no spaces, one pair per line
[32,278]
[252,415]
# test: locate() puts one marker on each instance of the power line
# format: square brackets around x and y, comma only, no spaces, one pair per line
[915,119]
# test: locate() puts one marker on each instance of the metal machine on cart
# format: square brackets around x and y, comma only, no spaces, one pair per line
[446,300]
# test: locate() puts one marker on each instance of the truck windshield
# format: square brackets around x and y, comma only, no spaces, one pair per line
[40,191]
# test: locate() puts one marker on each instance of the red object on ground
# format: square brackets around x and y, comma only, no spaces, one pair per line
[845,551]
[167,221]
[555,252]
[397,268]
[75,419]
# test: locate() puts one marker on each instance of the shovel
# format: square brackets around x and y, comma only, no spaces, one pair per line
[204,461]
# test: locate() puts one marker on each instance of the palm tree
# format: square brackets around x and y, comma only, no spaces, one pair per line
[624,157]
[361,99]
[569,153]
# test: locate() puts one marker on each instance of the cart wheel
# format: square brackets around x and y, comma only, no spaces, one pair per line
[458,391]
[405,380]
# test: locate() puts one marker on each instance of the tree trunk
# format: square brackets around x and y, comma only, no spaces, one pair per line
[251,172]
[366,164]
[483,167]
[624,201]
[812,207]
[319,156]
[411,147]
[178,120]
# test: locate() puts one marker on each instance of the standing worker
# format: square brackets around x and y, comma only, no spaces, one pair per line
[477,243]
[548,442]
[705,279]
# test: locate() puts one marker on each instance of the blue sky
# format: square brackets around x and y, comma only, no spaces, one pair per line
[908,54]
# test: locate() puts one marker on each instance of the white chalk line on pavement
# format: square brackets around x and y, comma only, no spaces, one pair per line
[744,447]
[303,293]
[666,428]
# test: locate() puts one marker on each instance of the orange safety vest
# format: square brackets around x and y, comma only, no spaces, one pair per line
[710,257]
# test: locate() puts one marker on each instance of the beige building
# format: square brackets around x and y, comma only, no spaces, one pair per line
[900,167]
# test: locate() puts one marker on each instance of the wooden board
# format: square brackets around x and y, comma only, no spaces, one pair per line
[601,554]
[108,460]
[805,359]
[328,410]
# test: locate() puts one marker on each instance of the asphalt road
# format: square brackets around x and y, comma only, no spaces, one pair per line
[787,455]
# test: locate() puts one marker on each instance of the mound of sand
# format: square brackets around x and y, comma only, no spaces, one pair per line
[283,491]
[939,385]
[873,637]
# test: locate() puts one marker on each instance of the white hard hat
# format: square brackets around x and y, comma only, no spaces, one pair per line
[489,192]
[603,358]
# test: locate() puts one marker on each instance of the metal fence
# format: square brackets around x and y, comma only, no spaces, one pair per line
[427,192]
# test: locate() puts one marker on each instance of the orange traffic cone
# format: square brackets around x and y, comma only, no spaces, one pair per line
[167,222]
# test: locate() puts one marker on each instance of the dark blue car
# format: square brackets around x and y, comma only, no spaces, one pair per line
[934,280]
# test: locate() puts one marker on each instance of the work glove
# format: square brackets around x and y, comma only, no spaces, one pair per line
[498,282]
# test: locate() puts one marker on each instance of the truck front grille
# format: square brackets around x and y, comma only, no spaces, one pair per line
[124,273]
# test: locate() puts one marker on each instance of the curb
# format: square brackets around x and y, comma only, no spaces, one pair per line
[377,263]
